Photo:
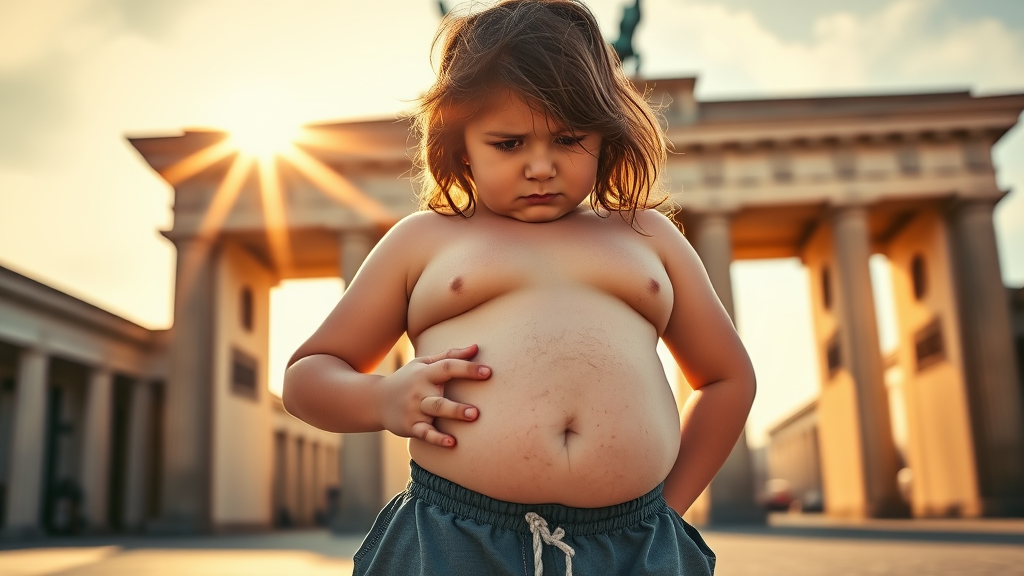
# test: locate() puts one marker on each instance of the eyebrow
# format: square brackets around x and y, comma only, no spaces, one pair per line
[510,135]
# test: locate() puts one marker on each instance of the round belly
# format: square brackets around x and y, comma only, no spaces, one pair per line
[577,411]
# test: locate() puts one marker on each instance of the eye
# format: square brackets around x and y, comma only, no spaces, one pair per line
[570,141]
[507,145]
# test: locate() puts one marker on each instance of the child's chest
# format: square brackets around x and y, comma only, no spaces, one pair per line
[464,275]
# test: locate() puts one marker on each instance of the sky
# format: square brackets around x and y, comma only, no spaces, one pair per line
[81,211]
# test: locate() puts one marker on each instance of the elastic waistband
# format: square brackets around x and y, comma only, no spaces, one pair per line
[449,496]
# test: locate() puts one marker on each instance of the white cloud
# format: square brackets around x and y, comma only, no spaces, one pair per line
[890,49]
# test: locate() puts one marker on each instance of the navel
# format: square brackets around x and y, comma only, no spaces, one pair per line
[456,285]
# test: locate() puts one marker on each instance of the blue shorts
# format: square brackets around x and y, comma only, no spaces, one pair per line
[436,527]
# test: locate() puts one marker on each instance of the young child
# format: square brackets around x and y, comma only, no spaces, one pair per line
[542,428]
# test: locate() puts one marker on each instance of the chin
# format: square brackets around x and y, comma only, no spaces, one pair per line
[538,218]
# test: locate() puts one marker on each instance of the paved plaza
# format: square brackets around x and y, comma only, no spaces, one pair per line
[790,546]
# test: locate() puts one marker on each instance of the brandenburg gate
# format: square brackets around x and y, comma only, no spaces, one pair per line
[829,180]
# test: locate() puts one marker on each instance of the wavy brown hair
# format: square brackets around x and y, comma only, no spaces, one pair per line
[551,54]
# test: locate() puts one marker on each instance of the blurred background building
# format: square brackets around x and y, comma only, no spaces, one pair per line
[84,428]
[105,425]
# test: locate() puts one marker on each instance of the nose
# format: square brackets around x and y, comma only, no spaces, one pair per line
[540,167]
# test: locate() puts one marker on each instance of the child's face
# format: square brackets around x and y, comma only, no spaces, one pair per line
[524,166]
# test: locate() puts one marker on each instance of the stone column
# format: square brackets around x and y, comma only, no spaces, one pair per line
[354,246]
[138,443]
[732,490]
[96,444]
[362,463]
[861,346]
[187,442]
[711,235]
[28,446]
[990,365]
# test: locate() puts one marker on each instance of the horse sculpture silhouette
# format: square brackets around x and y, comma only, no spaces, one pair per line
[623,45]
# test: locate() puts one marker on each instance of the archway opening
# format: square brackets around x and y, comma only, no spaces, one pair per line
[297,308]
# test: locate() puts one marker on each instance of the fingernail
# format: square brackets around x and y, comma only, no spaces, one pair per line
[449,441]
[471,413]
[484,371]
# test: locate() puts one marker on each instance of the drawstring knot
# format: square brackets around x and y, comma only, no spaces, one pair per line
[539,529]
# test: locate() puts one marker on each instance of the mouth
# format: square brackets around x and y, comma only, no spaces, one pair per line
[540,198]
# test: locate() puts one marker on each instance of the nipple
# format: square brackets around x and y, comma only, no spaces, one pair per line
[456,285]
[654,286]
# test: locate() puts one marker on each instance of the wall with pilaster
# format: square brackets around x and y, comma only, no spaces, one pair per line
[940,451]
[242,466]
[64,343]
[304,493]
[842,469]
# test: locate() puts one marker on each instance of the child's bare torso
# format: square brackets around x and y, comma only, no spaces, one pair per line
[567,314]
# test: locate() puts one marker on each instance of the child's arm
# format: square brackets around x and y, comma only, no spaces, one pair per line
[328,383]
[707,348]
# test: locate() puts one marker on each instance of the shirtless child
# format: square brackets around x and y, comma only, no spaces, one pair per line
[542,428]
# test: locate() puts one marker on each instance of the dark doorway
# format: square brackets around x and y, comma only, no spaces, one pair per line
[120,425]
[63,497]
[8,378]
[155,443]
[282,515]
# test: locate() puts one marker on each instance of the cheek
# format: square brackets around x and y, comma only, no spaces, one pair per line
[587,171]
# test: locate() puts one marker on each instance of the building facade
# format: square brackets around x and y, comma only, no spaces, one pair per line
[84,424]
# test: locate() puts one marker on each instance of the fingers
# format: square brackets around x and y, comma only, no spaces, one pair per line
[430,435]
[441,407]
[460,353]
[449,369]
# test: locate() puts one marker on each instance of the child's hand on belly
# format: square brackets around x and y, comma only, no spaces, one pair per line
[415,395]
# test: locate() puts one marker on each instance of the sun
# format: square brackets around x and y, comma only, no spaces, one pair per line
[262,139]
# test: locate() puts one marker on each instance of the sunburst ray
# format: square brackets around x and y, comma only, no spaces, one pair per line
[275,217]
[338,186]
[194,163]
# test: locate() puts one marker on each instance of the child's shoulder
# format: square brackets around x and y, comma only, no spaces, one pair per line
[648,222]
[421,226]
[656,220]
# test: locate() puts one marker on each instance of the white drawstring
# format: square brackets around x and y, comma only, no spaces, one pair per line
[539,529]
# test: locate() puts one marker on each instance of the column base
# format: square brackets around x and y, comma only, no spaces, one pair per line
[1002,508]
[736,514]
[19,533]
[354,521]
[176,527]
[889,509]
